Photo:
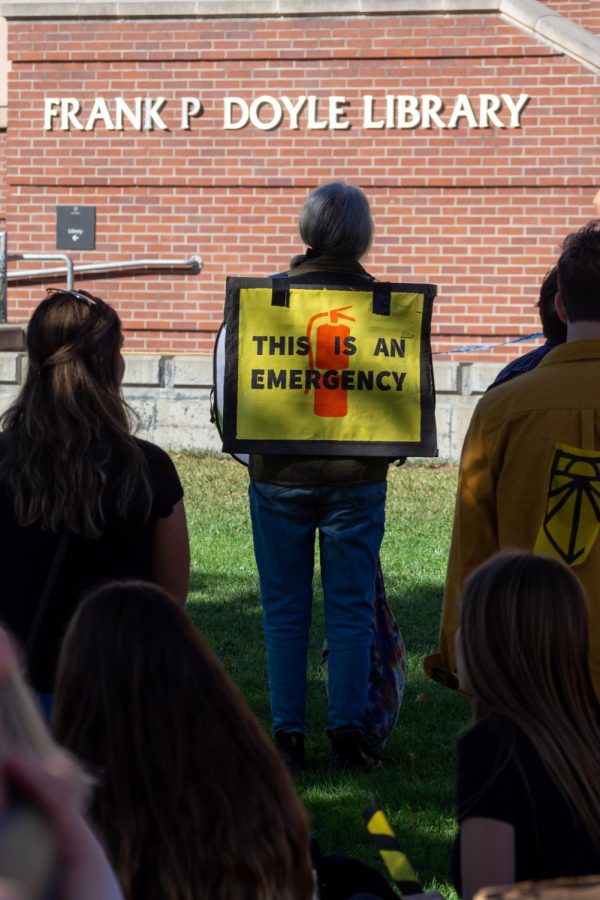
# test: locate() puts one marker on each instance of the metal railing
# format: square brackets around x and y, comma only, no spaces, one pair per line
[193,265]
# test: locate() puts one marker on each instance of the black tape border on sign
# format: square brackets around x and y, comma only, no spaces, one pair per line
[428,434]
[230,375]
[281,287]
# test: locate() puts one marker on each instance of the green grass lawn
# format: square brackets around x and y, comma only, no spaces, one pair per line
[416,784]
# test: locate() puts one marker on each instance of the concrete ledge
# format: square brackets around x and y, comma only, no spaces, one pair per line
[446,377]
[167,9]
[527,13]
[475,378]
[192,371]
[171,396]
[142,370]
[574,40]
[561,33]
[530,15]
[12,337]
[10,368]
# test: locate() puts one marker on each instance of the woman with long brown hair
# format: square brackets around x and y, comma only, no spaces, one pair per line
[528,795]
[192,802]
[81,499]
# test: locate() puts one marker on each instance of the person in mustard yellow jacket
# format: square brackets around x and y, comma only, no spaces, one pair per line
[530,467]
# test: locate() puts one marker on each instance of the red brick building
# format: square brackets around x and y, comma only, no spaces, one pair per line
[471,125]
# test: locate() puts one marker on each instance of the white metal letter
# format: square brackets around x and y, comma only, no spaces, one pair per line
[276,118]
[230,103]
[516,108]
[408,111]
[69,108]
[99,112]
[294,110]
[152,117]
[133,115]
[368,120]
[489,104]
[50,111]
[432,105]
[313,122]
[462,110]
[337,112]
[190,107]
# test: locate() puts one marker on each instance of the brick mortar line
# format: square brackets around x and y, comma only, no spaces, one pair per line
[34,61]
[308,184]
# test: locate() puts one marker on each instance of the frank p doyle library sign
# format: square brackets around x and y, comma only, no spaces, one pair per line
[266,112]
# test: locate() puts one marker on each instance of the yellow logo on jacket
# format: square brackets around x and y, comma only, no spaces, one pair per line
[572,519]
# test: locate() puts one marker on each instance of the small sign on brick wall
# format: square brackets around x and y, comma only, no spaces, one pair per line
[75,227]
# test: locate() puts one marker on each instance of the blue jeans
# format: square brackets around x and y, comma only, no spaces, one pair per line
[350,520]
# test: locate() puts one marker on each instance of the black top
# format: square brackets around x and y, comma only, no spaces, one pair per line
[550,842]
[123,551]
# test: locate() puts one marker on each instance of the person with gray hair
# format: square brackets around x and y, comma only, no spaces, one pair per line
[336,219]
[343,498]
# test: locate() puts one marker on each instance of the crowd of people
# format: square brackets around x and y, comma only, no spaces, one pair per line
[157,780]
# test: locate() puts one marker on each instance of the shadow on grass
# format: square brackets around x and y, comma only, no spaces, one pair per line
[415,786]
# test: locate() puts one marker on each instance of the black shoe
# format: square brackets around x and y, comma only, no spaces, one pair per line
[348,753]
[290,745]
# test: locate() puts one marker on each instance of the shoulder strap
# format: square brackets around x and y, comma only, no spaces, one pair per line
[40,612]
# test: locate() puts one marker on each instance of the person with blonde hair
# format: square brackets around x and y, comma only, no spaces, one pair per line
[81,499]
[528,786]
[46,846]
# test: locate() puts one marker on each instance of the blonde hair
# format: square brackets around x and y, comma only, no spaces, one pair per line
[525,643]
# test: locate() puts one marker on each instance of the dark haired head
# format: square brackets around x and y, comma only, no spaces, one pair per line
[69,450]
[76,335]
[555,330]
[336,220]
[579,273]
[194,802]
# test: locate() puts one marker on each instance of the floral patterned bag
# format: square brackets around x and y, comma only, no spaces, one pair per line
[386,676]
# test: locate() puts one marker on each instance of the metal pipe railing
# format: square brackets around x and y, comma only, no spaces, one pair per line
[194,264]
[14,257]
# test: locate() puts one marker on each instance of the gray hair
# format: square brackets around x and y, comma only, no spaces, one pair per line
[336,220]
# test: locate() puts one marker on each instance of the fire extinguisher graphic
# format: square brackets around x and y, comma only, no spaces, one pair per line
[331,353]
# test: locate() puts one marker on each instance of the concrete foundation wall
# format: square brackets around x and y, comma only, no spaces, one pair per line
[171,395]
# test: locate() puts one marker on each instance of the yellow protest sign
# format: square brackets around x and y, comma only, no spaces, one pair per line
[328,369]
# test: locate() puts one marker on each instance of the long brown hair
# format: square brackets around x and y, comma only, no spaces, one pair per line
[68,450]
[193,802]
[524,637]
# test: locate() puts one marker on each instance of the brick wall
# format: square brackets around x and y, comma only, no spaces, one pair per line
[481,212]
[583,12]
